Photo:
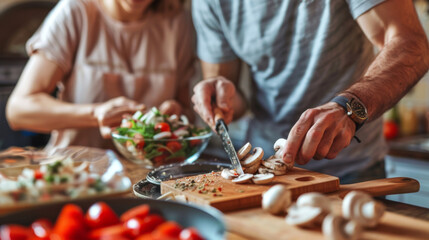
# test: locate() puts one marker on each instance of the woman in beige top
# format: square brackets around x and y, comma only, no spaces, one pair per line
[107,58]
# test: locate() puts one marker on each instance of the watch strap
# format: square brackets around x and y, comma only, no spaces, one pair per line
[343,101]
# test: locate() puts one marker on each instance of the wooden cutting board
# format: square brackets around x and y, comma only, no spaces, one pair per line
[226,195]
[258,224]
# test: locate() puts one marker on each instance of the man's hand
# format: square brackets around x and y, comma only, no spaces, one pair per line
[214,92]
[320,132]
[109,114]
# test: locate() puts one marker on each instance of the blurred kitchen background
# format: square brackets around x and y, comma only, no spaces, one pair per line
[406,125]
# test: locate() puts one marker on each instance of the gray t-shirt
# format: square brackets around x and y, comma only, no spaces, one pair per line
[301,53]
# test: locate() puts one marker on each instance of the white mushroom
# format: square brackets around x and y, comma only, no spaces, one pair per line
[228,174]
[304,216]
[337,228]
[244,150]
[360,207]
[254,158]
[275,164]
[277,199]
[252,169]
[263,178]
[244,178]
[315,199]
[280,143]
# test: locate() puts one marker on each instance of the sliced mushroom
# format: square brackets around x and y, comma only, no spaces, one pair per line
[275,164]
[337,228]
[305,216]
[360,207]
[162,135]
[229,174]
[315,199]
[263,178]
[243,178]
[263,170]
[244,150]
[252,169]
[254,158]
[277,199]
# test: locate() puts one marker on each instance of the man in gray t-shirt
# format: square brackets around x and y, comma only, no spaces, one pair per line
[302,54]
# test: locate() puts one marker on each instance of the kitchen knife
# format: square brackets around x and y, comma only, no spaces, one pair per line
[222,131]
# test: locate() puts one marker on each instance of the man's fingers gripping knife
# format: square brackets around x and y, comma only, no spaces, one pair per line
[202,102]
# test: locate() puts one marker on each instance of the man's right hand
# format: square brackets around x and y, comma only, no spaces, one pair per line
[214,92]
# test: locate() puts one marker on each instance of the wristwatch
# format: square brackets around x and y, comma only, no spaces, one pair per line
[354,108]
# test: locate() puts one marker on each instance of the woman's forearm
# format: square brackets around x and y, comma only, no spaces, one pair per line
[43,113]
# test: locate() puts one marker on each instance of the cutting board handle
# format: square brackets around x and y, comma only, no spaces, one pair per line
[381,187]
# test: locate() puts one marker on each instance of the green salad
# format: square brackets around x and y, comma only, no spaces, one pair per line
[160,138]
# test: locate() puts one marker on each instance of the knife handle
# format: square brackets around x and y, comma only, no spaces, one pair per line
[218,114]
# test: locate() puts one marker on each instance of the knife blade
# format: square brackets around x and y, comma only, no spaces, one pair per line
[222,131]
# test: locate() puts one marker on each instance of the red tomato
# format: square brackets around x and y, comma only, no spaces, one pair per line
[38,174]
[14,232]
[42,228]
[138,226]
[70,224]
[194,142]
[163,127]
[159,160]
[174,146]
[140,144]
[190,234]
[115,232]
[147,236]
[167,230]
[140,211]
[390,130]
[100,215]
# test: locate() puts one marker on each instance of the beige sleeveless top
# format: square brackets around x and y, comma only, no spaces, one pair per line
[102,58]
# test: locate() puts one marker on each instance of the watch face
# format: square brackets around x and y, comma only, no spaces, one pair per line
[358,109]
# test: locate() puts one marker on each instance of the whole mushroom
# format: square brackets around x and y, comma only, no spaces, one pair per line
[362,208]
[309,210]
[277,199]
[337,228]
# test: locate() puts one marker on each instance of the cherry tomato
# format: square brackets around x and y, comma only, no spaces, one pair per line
[38,174]
[115,232]
[194,142]
[167,230]
[390,130]
[159,160]
[190,234]
[42,228]
[174,146]
[163,127]
[140,211]
[140,144]
[14,232]
[70,224]
[147,236]
[138,226]
[100,215]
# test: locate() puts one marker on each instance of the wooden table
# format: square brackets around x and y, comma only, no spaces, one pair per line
[136,173]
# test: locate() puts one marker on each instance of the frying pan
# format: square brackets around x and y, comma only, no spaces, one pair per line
[207,220]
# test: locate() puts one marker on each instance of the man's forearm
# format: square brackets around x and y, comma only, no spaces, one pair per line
[400,65]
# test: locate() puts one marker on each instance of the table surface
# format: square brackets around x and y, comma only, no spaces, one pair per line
[137,173]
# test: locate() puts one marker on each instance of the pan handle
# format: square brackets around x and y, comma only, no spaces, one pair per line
[380,187]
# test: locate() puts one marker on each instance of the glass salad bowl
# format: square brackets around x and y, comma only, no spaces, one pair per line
[153,139]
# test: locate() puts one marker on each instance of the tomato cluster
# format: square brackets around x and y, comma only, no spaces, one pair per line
[101,222]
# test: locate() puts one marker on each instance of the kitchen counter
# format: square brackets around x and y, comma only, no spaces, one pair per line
[236,220]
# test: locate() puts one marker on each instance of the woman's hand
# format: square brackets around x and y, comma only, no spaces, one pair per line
[109,114]
[171,107]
